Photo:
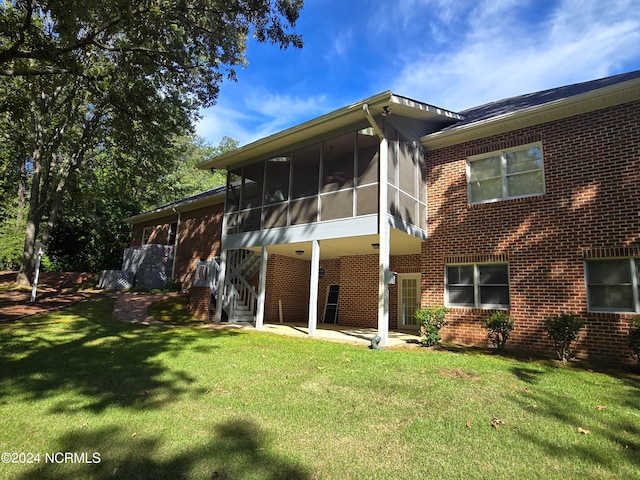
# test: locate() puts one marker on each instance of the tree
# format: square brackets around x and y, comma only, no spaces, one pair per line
[185,178]
[85,76]
[193,42]
[91,234]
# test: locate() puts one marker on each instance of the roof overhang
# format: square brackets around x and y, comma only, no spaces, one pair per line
[610,96]
[189,204]
[335,120]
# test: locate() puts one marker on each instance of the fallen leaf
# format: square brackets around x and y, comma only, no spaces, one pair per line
[469,424]
[496,422]
[583,431]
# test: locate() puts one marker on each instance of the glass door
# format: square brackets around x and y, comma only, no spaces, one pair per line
[408,299]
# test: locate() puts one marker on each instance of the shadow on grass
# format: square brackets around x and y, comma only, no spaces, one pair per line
[527,374]
[602,424]
[236,449]
[83,354]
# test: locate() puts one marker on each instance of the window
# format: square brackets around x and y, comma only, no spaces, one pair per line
[613,285]
[146,233]
[477,285]
[173,232]
[506,174]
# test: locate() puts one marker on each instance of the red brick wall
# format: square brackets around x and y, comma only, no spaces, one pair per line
[159,231]
[199,300]
[198,237]
[358,299]
[592,202]
[287,280]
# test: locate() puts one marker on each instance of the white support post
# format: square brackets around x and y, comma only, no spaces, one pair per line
[313,287]
[264,256]
[384,248]
[221,279]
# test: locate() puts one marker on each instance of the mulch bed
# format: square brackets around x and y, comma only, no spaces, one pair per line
[55,291]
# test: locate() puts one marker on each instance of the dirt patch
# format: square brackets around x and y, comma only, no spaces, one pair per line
[459,373]
[55,291]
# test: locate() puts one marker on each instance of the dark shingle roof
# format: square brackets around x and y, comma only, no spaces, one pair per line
[514,104]
[198,196]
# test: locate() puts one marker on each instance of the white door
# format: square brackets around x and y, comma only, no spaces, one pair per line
[408,299]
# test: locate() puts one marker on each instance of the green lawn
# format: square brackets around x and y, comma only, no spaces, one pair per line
[161,402]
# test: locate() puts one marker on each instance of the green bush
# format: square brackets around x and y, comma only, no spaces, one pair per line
[563,329]
[431,320]
[500,327]
[634,337]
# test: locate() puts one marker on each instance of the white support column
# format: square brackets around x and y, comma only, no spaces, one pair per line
[221,279]
[384,248]
[264,256]
[313,287]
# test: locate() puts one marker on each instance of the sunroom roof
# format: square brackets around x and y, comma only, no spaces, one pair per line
[337,119]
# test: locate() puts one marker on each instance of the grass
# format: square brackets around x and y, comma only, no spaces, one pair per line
[162,402]
[173,310]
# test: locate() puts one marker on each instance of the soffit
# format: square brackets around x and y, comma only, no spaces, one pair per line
[401,244]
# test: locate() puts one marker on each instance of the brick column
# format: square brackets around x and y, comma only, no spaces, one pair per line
[199,299]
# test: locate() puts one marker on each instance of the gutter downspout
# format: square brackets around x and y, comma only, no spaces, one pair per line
[383,232]
[372,121]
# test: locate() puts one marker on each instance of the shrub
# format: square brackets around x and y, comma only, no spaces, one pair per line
[431,320]
[563,329]
[500,327]
[634,337]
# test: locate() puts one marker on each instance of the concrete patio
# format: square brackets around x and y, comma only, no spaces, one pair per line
[340,333]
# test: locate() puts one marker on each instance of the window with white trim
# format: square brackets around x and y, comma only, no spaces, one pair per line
[479,285]
[506,174]
[613,285]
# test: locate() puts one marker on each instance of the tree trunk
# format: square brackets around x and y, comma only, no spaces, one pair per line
[34,217]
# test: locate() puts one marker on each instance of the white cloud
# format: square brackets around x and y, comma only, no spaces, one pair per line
[505,53]
[259,115]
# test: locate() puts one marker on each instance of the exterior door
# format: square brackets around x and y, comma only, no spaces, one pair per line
[408,299]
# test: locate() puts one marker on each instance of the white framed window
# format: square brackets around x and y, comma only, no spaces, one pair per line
[613,285]
[506,174]
[479,285]
[146,233]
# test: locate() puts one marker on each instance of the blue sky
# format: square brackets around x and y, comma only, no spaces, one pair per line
[454,54]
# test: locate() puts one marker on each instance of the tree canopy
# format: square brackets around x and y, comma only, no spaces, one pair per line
[84,77]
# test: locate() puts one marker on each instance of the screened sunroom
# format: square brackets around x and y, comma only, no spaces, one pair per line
[314,192]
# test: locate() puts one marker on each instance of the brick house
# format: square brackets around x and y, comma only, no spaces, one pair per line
[529,204]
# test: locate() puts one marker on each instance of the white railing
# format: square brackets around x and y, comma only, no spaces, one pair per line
[239,296]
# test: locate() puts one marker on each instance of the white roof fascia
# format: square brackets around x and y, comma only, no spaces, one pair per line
[326,123]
